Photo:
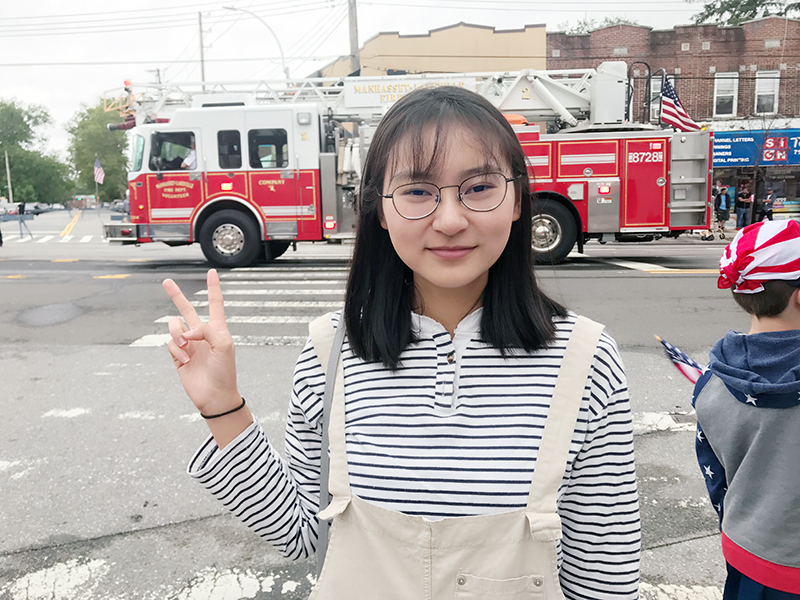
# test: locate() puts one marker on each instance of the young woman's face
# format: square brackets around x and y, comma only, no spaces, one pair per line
[452,248]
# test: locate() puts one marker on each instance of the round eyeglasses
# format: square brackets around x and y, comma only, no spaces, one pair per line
[479,193]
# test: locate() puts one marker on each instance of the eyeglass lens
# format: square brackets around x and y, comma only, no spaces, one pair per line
[480,193]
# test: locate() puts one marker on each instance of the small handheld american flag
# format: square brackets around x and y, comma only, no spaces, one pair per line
[688,367]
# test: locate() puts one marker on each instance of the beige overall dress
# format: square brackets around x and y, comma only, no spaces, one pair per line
[379,554]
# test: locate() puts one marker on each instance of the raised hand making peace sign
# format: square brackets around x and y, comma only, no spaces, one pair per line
[204,356]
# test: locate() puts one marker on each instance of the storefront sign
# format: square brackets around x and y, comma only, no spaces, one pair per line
[779,147]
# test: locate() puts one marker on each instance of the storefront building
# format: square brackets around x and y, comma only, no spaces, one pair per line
[760,160]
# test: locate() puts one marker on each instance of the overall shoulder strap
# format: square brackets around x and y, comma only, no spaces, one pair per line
[328,345]
[562,416]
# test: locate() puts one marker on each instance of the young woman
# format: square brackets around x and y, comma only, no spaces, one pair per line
[451,476]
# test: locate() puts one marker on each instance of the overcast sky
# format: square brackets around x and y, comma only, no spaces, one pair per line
[64,54]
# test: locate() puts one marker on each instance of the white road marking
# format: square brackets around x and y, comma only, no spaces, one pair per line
[45,239]
[68,580]
[666,591]
[66,414]
[161,339]
[279,292]
[65,239]
[250,271]
[650,422]
[287,282]
[22,240]
[260,320]
[636,266]
[270,304]
[86,238]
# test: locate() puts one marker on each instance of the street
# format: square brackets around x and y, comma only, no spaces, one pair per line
[96,431]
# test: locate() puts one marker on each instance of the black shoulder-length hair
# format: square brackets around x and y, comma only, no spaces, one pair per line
[380,293]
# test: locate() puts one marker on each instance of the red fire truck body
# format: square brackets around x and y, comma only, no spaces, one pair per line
[264,176]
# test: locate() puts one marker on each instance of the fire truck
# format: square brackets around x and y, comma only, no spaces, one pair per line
[250,169]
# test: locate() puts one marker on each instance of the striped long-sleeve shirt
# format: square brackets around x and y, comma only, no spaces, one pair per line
[454,431]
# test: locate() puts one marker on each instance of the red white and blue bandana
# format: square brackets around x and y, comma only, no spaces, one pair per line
[761,252]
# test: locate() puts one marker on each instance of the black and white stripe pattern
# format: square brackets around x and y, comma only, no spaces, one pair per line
[440,438]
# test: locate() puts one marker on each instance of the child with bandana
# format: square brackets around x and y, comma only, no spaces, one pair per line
[748,416]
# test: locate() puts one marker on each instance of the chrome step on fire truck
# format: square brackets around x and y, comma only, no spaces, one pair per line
[248,169]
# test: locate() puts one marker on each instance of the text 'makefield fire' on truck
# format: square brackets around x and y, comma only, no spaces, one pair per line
[247,170]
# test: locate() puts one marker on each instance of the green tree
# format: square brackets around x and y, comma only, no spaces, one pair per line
[35,176]
[584,26]
[736,12]
[91,138]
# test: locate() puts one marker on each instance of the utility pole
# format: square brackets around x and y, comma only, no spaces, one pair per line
[8,179]
[202,60]
[355,62]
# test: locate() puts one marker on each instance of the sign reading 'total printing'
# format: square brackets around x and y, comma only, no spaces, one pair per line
[377,93]
[779,147]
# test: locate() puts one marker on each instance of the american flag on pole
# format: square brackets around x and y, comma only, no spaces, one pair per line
[99,174]
[672,111]
[689,368]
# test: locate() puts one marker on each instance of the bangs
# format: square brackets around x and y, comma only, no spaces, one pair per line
[421,151]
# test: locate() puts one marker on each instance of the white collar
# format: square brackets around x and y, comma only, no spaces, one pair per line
[469,325]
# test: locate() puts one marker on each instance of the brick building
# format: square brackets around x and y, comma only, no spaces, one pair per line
[743,79]
[745,73]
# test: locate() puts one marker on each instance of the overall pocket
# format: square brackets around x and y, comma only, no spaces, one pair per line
[471,587]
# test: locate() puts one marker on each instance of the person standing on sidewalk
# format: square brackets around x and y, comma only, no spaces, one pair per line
[765,209]
[748,416]
[744,204]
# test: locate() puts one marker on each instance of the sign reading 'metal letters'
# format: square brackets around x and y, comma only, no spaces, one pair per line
[378,93]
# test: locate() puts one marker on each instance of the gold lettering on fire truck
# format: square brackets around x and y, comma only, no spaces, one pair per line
[394,91]
[175,190]
[271,183]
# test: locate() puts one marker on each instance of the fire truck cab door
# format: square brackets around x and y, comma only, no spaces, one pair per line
[274,171]
[174,184]
[645,193]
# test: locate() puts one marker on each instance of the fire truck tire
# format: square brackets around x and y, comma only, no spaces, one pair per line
[554,232]
[230,239]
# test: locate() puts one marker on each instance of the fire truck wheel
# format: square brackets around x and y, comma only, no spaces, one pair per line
[554,232]
[230,239]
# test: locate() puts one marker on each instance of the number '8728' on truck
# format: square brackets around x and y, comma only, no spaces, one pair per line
[247,177]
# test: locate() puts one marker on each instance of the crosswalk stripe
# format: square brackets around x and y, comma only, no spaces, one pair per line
[86,238]
[278,292]
[287,269]
[46,238]
[22,240]
[270,304]
[262,320]
[286,282]
[161,339]
[66,238]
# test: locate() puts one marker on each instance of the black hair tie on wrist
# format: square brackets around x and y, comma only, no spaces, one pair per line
[227,412]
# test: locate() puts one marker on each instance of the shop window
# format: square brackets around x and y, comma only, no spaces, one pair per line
[767,84]
[268,148]
[167,150]
[726,91]
[229,145]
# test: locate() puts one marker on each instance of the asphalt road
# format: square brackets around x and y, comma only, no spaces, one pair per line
[96,431]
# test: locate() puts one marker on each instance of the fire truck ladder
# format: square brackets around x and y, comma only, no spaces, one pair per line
[562,95]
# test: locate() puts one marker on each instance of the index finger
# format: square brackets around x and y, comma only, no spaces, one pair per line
[186,310]
[216,307]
